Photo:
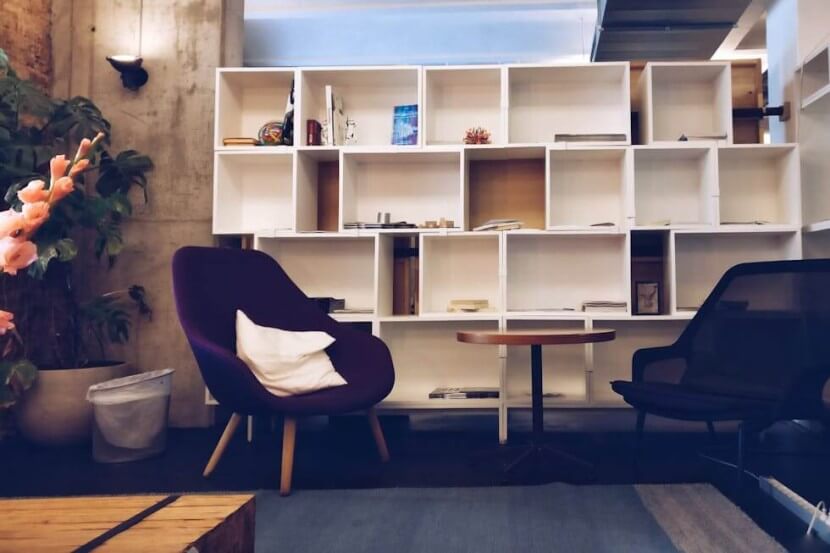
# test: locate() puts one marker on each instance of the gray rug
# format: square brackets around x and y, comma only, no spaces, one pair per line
[692,518]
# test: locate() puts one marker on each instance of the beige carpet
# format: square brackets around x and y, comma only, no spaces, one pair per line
[697,518]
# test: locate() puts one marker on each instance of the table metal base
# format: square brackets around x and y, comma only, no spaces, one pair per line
[537,452]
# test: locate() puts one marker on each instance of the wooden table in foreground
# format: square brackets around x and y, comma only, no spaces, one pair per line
[192,523]
[536,339]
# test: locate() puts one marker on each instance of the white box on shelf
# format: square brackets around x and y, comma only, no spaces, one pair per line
[558,272]
[369,96]
[674,186]
[330,265]
[457,98]
[247,98]
[427,355]
[549,100]
[588,187]
[253,191]
[564,367]
[460,266]
[759,183]
[692,99]
[701,259]
[412,186]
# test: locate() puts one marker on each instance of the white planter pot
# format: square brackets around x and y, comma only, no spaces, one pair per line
[54,411]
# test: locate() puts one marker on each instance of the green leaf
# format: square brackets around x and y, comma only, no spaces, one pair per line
[121,173]
[67,249]
[78,118]
[16,377]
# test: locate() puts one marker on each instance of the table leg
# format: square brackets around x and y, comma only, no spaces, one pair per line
[536,392]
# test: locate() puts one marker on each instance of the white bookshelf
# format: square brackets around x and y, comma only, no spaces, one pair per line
[674,185]
[685,98]
[680,212]
[815,77]
[589,186]
[253,191]
[459,98]
[369,97]
[544,101]
[246,98]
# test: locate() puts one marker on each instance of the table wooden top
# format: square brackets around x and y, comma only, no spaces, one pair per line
[63,524]
[537,337]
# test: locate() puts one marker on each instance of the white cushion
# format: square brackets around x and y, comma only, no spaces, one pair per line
[286,363]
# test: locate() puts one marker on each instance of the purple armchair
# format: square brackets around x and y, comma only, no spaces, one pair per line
[210,284]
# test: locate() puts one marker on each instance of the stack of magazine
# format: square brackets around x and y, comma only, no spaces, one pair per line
[602,305]
[500,224]
[464,393]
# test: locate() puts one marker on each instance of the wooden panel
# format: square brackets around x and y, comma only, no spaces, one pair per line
[747,92]
[510,188]
[328,185]
[206,522]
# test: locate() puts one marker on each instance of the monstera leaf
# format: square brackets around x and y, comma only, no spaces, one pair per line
[15,378]
[77,118]
[121,173]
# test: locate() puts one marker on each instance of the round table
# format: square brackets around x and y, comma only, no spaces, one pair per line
[536,339]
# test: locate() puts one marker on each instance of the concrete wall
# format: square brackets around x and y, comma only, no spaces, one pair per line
[171,120]
[25,36]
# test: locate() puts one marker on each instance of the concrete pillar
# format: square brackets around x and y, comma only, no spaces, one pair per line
[171,120]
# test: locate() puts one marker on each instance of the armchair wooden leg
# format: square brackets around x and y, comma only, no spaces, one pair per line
[223,443]
[289,435]
[377,432]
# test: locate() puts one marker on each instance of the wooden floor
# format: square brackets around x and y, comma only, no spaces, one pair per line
[207,522]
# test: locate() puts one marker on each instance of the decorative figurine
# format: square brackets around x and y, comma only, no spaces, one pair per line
[477,135]
[270,134]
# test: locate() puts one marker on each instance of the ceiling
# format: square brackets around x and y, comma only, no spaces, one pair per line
[663,29]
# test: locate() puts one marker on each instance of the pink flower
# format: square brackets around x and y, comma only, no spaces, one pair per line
[12,224]
[34,215]
[61,189]
[83,149]
[6,323]
[78,168]
[57,167]
[16,255]
[33,192]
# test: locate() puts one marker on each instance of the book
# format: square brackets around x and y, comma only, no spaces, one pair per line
[240,141]
[500,224]
[464,393]
[602,305]
[405,125]
[338,119]
[329,127]
[468,305]
[591,137]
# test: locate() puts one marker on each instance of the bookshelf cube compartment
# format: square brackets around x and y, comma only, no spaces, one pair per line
[248,98]
[428,356]
[318,190]
[692,99]
[332,265]
[505,183]
[651,261]
[459,98]
[612,360]
[398,273]
[588,187]
[557,272]
[369,98]
[563,367]
[412,186]
[674,186]
[701,259]
[815,77]
[252,192]
[546,101]
[759,183]
[460,267]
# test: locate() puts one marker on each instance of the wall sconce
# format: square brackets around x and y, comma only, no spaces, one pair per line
[133,76]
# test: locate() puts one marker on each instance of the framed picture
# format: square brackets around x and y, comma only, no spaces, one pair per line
[648,298]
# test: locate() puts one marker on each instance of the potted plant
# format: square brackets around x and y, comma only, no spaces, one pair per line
[54,345]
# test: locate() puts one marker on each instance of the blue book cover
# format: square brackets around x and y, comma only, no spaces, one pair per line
[405,125]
